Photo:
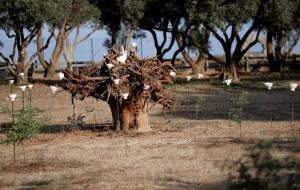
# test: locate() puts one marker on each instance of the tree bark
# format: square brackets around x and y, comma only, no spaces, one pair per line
[114,34]
[274,65]
[51,65]
[50,72]
[125,117]
[234,71]
[21,68]
[198,66]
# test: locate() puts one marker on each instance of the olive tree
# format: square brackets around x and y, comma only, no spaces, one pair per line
[225,20]
[70,14]
[21,20]
[281,21]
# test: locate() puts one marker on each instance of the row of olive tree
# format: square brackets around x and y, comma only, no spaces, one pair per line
[189,23]
[24,20]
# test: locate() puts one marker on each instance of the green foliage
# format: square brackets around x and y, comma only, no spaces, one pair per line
[219,13]
[24,128]
[280,15]
[238,107]
[261,170]
[22,13]
[200,99]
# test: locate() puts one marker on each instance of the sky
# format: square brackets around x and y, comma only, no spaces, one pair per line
[94,45]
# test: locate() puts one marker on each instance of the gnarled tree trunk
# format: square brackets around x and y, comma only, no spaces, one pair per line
[198,65]
[126,117]
[51,65]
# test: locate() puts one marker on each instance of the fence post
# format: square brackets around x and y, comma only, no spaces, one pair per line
[92,50]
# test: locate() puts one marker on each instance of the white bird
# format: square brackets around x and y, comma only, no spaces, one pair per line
[11,82]
[200,76]
[188,78]
[53,89]
[61,75]
[125,96]
[172,73]
[116,81]
[23,88]
[227,82]
[146,86]
[109,66]
[12,97]
[122,58]
[134,45]
[21,75]
[293,86]
[268,85]
[30,86]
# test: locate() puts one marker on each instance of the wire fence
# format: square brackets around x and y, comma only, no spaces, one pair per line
[58,112]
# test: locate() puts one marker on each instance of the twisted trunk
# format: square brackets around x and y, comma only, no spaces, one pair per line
[21,68]
[129,115]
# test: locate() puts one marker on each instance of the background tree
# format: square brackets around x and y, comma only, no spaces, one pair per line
[282,25]
[21,20]
[70,46]
[225,19]
[70,14]
[196,40]
[167,19]
[110,18]
[120,17]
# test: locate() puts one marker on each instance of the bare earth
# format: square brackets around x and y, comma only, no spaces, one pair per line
[191,149]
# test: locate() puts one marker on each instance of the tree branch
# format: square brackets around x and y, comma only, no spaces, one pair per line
[41,49]
[219,38]
[12,56]
[4,57]
[155,39]
[86,37]
[252,43]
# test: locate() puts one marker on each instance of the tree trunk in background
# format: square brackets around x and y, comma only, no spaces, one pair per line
[50,66]
[198,65]
[50,72]
[113,40]
[234,71]
[274,65]
[21,68]
[69,53]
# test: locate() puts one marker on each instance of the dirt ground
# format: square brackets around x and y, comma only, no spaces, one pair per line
[191,148]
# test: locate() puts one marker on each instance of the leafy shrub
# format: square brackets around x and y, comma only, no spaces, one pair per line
[261,170]
[77,121]
[238,107]
[24,127]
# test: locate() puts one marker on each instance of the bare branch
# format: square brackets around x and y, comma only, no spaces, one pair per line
[85,37]
[252,43]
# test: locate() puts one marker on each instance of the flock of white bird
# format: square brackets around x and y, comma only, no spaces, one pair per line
[122,59]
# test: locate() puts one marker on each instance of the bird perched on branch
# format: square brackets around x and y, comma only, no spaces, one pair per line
[122,58]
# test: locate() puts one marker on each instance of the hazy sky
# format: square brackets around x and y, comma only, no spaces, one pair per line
[84,50]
